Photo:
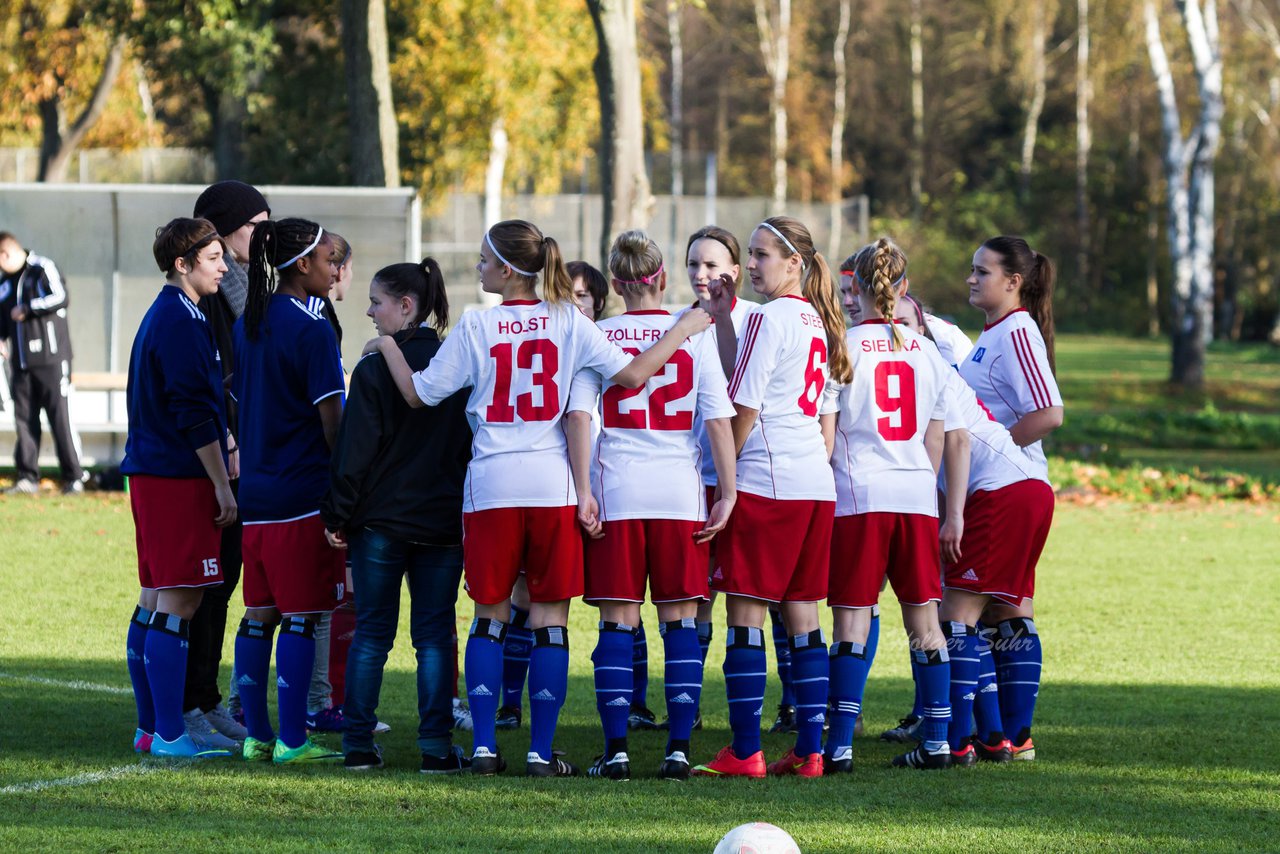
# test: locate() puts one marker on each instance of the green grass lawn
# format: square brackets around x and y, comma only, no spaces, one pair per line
[1158,726]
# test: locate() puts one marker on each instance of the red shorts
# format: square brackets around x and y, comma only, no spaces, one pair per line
[660,550]
[178,543]
[291,567]
[545,541]
[867,546]
[775,550]
[1004,532]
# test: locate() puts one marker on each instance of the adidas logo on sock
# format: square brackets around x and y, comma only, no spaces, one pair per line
[818,718]
[682,697]
[546,696]
[970,575]
[969,696]
[990,689]
[280,683]
[480,691]
[618,701]
[245,679]
[133,656]
[145,660]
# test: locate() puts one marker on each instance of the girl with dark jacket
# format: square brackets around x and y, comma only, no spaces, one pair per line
[395,498]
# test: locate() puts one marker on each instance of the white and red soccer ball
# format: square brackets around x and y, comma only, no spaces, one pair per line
[759,837]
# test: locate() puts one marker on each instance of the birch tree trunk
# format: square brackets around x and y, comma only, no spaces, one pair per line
[1031,128]
[675,36]
[774,23]
[624,181]
[375,137]
[841,97]
[917,108]
[58,141]
[1188,168]
[1084,141]
[493,176]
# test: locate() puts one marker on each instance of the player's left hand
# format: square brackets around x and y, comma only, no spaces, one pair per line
[723,289]
[716,519]
[337,539]
[18,313]
[589,516]
[692,322]
[374,345]
[949,536]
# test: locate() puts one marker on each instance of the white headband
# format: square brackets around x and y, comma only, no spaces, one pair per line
[305,252]
[494,250]
[782,237]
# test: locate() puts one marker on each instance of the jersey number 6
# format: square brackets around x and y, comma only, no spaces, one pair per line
[501,410]
[813,378]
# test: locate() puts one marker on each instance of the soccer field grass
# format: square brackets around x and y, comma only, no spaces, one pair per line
[1158,726]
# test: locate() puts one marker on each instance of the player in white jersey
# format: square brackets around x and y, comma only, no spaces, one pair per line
[645,477]
[888,445]
[775,547]
[519,359]
[1011,369]
[590,291]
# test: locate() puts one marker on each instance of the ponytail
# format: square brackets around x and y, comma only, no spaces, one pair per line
[424,284]
[275,246]
[635,262]
[557,287]
[880,269]
[1038,275]
[818,288]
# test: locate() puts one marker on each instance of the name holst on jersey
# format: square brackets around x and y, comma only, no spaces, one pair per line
[521,327]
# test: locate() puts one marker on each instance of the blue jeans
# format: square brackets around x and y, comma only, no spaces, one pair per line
[378,563]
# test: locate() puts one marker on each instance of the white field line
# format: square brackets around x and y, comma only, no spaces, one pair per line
[84,779]
[73,684]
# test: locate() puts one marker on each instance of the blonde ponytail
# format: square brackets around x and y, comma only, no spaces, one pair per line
[880,270]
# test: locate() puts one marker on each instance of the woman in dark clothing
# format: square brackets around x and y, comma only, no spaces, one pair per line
[396,498]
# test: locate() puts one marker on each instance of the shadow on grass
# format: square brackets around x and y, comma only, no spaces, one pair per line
[1131,766]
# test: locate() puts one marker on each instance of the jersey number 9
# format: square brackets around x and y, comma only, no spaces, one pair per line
[899,397]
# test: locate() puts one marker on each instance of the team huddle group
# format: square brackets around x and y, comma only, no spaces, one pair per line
[770,453]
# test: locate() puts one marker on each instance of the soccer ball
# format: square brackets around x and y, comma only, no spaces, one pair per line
[757,838]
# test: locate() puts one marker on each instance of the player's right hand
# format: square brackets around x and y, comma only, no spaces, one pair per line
[692,322]
[374,345]
[337,539]
[723,290]
[227,510]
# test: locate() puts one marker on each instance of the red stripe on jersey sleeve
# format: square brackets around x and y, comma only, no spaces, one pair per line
[748,344]
[1030,369]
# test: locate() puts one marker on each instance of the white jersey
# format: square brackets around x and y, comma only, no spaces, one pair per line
[519,358]
[1009,371]
[782,372]
[880,461]
[646,462]
[952,343]
[738,313]
[995,461]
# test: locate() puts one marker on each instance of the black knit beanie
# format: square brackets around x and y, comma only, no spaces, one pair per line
[229,205]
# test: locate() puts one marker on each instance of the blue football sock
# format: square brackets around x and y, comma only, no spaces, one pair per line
[612,660]
[873,636]
[935,689]
[1018,659]
[849,665]
[135,650]
[515,657]
[962,645]
[917,709]
[253,665]
[165,656]
[782,651]
[809,672]
[744,678]
[682,679]
[484,669]
[640,667]
[295,661]
[986,707]
[705,632]
[548,683]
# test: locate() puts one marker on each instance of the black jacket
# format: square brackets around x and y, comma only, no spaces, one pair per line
[44,338]
[398,470]
[222,320]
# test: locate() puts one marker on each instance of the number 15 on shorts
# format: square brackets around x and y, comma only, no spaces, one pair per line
[211,567]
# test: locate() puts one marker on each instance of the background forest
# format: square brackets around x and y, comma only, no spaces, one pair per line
[959,119]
